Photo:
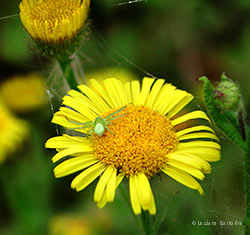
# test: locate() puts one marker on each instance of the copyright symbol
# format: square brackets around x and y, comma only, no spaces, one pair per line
[193,223]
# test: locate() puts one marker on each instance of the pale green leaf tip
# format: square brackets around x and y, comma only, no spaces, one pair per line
[223,77]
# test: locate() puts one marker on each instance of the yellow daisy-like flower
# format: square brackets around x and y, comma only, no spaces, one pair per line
[12,132]
[146,140]
[24,93]
[53,21]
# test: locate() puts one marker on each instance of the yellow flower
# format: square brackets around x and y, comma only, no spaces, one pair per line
[53,21]
[24,93]
[12,132]
[143,142]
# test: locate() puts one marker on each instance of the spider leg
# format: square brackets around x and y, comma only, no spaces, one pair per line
[79,123]
[78,128]
[90,133]
[112,114]
[109,123]
[112,118]
[109,130]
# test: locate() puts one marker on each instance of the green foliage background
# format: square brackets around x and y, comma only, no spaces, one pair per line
[176,40]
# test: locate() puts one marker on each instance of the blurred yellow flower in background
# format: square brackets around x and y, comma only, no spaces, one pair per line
[24,93]
[92,222]
[145,141]
[53,21]
[122,74]
[12,132]
[69,225]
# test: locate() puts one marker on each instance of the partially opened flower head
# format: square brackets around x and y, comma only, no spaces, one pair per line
[145,140]
[53,21]
[23,93]
[12,132]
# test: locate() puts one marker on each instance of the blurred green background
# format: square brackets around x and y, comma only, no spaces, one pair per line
[176,40]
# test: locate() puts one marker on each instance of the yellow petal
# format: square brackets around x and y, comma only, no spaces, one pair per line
[183,178]
[73,165]
[135,91]
[71,151]
[104,198]
[61,120]
[205,153]
[145,194]
[94,97]
[176,97]
[187,168]
[143,190]
[178,105]
[154,92]
[101,185]
[67,141]
[120,92]
[127,89]
[191,159]
[79,139]
[198,143]
[86,102]
[133,196]
[163,96]
[192,129]
[152,208]
[101,91]
[111,186]
[111,90]
[88,176]
[72,115]
[79,107]
[190,116]
[145,90]
[198,135]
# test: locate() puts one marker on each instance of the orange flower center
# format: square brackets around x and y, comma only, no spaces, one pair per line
[139,143]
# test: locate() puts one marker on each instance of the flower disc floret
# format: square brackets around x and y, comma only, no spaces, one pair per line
[138,142]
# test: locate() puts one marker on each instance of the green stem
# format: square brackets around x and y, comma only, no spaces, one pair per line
[146,222]
[126,199]
[159,220]
[145,217]
[65,64]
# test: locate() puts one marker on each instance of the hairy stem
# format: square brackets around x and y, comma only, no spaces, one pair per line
[65,64]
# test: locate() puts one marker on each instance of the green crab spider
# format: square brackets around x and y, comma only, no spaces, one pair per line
[99,124]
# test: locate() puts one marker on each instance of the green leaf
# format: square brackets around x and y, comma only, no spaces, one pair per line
[225,121]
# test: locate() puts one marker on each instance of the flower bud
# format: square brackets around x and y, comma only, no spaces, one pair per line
[227,94]
[54,24]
